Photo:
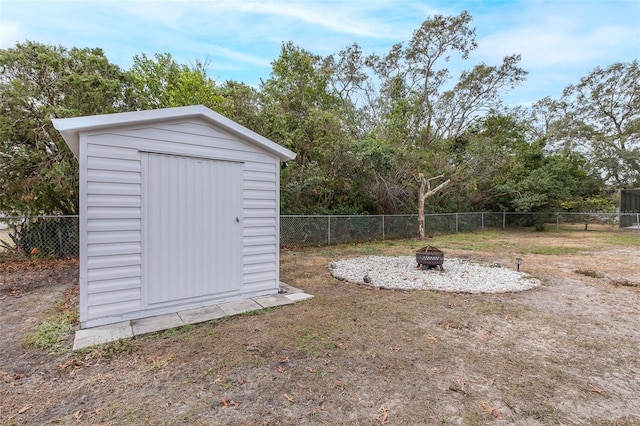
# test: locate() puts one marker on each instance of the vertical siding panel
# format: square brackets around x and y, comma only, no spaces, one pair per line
[211,225]
[197,201]
[187,210]
[221,215]
[195,248]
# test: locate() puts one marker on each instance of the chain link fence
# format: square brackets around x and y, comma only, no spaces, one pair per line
[46,236]
[336,229]
[58,236]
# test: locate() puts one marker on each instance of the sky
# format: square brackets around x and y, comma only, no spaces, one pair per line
[560,41]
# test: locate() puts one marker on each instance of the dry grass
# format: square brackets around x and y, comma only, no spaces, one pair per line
[566,353]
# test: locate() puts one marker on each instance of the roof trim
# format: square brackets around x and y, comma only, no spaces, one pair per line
[70,128]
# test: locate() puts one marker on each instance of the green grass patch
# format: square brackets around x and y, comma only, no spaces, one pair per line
[51,334]
[259,311]
[589,273]
[177,331]
[476,241]
[111,349]
[219,320]
[623,239]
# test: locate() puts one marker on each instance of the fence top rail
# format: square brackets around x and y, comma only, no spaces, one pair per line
[50,216]
[345,215]
[454,213]
[4,218]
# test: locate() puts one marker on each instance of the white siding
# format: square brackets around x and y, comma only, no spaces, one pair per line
[193,224]
[260,210]
[113,252]
[114,203]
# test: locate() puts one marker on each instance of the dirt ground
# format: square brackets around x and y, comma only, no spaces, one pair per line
[565,353]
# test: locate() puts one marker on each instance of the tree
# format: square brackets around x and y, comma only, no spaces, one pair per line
[38,173]
[595,204]
[243,104]
[499,168]
[602,120]
[302,111]
[413,82]
[410,104]
[163,83]
[422,196]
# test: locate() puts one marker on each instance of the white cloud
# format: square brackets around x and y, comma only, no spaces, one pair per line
[343,17]
[562,35]
[10,33]
[560,41]
[225,52]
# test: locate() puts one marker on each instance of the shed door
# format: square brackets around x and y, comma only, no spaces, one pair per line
[193,228]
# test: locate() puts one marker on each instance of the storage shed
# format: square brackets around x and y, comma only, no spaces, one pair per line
[629,203]
[179,209]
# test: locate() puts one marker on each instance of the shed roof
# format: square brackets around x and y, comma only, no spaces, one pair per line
[70,128]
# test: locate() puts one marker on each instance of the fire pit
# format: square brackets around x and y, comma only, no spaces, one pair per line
[430,258]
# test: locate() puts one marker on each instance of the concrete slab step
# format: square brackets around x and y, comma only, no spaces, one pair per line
[128,329]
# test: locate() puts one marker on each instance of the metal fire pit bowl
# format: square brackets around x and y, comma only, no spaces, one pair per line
[430,258]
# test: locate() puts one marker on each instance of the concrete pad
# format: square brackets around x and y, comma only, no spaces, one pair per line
[204,314]
[127,329]
[104,334]
[273,300]
[297,297]
[239,307]
[151,324]
[287,289]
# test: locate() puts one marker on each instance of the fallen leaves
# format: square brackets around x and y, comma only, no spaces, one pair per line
[493,410]
[21,276]
[383,415]
[73,362]
[8,378]
[228,402]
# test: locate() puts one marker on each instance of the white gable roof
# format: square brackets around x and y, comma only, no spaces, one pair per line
[70,128]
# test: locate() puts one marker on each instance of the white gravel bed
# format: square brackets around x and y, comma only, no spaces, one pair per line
[400,272]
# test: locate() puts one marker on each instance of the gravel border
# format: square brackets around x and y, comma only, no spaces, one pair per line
[460,276]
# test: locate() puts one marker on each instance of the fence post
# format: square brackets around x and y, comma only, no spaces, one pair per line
[557,222]
[456,223]
[638,222]
[329,230]
[383,227]
[482,221]
[504,219]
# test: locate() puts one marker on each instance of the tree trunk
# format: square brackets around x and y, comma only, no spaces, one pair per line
[422,196]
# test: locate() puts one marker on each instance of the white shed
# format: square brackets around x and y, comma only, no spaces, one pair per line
[179,209]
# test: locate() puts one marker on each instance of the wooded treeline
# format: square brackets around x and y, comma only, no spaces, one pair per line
[364,125]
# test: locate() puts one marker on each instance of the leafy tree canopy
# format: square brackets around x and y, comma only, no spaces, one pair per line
[38,174]
[363,125]
[601,118]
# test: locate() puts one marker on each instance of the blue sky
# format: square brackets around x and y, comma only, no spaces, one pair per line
[560,41]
